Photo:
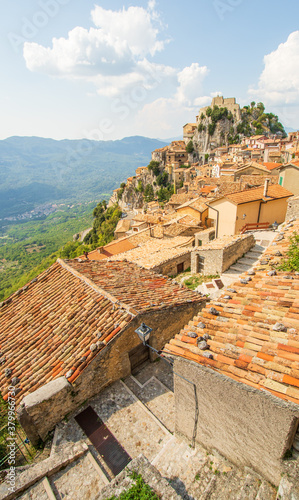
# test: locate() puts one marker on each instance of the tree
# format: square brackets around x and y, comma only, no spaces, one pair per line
[154,166]
[140,188]
[211,128]
[190,147]
[149,193]
[162,179]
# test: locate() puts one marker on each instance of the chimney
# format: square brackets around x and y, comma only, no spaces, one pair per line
[266,187]
[101,249]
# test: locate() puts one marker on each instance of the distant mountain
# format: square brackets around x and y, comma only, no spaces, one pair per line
[168,141]
[34,170]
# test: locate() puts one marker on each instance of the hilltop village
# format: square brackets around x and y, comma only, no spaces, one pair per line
[127,373]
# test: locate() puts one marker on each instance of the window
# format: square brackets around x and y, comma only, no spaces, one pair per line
[280,181]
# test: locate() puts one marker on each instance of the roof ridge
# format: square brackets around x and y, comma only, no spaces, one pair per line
[96,288]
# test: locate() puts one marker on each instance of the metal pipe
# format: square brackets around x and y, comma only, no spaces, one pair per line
[217,220]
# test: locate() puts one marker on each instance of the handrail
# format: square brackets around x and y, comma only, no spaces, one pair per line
[257,225]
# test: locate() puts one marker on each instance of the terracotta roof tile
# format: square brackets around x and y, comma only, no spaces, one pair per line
[274,192]
[245,342]
[48,326]
[115,247]
[156,251]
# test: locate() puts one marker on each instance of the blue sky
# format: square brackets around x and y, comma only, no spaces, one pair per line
[107,70]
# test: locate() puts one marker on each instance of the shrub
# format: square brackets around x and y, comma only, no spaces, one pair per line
[291,263]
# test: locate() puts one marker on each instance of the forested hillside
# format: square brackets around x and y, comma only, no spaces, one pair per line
[35,171]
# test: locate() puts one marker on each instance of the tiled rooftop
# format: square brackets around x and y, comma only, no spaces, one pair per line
[123,225]
[49,325]
[63,318]
[138,288]
[253,331]
[197,204]
[179,199]
[274,192]
[155,251]
[115,247]
[270,165]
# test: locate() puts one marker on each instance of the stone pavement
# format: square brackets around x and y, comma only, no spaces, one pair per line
[139,411]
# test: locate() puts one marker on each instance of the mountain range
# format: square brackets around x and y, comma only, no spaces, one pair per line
[34,170]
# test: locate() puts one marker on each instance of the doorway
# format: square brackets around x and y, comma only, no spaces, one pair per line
[138,356]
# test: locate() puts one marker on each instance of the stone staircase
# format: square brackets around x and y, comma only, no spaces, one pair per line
[246,262]
[140,413]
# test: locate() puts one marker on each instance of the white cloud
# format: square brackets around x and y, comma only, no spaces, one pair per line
[190,83]
[162,118]
[168,115]
[279,81]
[112,55]
[135,26]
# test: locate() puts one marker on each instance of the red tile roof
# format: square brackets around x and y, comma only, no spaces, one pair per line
[270,165]
[274,192]
[56,322]
[115,247]
[244,339]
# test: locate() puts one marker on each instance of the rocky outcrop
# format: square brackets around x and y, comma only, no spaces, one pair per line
[204,143]
[133,193]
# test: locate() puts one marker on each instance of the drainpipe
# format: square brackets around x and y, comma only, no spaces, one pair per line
[217,220]
[266,187]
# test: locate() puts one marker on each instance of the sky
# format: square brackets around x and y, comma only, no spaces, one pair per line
[105,70]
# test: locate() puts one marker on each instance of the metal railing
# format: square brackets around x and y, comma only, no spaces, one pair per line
[257,225]
[24,454]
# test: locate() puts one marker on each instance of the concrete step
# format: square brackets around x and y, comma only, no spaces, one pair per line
[156,397]
[81,480]
[240,268]
[205,482]
[266,492]
[257,249]
[254,253]
[250,488]
[246,261]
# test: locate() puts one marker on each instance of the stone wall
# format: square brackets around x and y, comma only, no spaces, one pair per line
[293,208]
[211,260]
[170,268]
[41,410]
[249,427]
[204,237]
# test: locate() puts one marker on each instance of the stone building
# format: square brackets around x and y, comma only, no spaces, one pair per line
[215,257]
[289,176]
[241,354]
[228,102]
[71,331]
